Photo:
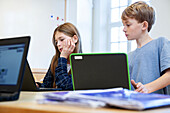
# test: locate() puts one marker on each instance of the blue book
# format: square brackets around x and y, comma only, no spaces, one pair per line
[117,97]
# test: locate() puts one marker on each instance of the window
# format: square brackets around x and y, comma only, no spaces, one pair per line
[118,40]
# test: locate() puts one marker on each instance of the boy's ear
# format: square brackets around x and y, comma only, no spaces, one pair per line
[145,25]
[75,39]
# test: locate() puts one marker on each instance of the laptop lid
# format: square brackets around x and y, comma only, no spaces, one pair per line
[99,71]
[29,83]
[13,52]
[28,80]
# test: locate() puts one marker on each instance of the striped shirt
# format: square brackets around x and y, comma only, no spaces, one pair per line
[62,79]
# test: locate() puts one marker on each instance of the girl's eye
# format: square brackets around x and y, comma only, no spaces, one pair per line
[55,43]
[62,39]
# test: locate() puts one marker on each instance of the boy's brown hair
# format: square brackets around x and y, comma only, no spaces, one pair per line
[141,12]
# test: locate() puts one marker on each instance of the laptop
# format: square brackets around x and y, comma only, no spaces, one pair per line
[29,83]
[13,53]
[99,71]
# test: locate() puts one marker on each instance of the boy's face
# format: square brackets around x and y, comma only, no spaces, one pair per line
[132,29]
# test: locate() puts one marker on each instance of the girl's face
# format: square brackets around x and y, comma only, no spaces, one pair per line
[132,29]
[60,40]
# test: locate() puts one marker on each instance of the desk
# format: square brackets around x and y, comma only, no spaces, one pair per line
[27,104]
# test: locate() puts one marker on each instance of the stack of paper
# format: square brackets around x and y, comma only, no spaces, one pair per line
[117,97]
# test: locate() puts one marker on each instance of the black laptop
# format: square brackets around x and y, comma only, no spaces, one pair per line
[99,71]
[13,53]
[29,83]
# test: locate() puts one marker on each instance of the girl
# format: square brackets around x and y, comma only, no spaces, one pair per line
[66,40]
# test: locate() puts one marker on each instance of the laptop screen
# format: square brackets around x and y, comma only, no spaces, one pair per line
[13,53]
[99,70]
[10,58]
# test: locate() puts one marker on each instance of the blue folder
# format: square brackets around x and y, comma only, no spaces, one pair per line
[117,97]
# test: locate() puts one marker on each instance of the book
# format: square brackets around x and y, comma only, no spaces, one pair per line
[117,97]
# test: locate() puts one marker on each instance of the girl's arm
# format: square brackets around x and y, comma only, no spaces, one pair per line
[62,79]
[47,81]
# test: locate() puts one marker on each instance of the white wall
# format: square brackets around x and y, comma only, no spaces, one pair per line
[71,13]
[79,12]
[33,17]
[161,26]
[84,23]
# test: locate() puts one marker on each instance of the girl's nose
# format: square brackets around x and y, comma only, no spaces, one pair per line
[58,43]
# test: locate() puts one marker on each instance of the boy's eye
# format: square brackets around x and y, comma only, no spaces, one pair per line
[128,25]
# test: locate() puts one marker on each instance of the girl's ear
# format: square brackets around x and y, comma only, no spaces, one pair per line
[145,25]
[75,39]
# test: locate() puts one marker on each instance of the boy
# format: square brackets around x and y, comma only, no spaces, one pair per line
[150,62]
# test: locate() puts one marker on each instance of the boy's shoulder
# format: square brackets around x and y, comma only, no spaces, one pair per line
[163,39]
[162,44]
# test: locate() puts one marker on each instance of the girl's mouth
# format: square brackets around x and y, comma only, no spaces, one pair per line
[60,49]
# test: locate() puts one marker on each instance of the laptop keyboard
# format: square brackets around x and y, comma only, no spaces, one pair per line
[50,89]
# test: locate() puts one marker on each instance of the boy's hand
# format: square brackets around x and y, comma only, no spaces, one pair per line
[68,48]
[139,87]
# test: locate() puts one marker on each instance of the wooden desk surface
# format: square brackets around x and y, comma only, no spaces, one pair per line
[27,104]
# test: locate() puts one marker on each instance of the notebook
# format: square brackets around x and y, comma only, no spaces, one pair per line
[99,71]
[29,83]
[13,53]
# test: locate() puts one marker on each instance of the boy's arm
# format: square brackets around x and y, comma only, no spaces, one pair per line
[157,84]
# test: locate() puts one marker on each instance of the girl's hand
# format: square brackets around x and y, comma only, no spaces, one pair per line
[139,87]
[68,48]
[37,85]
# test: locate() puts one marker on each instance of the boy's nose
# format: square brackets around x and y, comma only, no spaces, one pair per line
[124,29]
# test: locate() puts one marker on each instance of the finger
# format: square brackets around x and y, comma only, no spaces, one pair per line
[133,83]
[140,87]
[72,46]
[37,85]
[145,90]
[69,43]
[75,39]
[65,43]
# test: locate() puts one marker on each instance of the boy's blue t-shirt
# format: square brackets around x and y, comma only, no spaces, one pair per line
[148,63]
